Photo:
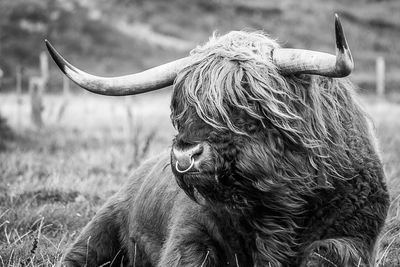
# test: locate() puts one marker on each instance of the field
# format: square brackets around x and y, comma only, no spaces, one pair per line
[53,180]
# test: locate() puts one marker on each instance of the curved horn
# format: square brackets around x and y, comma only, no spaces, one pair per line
[149,80]
[297,61]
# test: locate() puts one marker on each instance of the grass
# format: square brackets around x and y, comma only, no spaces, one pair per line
[53,180]
[385,113]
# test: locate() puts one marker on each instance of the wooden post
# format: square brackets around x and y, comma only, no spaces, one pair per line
[18,76]
[64,103]
[380,76]
[35,90]
[1,76]
[37,86]
[44,66]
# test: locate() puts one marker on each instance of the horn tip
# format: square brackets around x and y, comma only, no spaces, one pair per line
[48,44]
[341,42]
[336,16]
[56,57]
[346,60]
[338,25]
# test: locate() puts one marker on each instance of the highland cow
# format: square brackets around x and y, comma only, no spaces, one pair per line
[273,164]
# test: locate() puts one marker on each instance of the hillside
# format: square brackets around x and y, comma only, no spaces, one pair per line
[120,36]
[372,27]
[90,43]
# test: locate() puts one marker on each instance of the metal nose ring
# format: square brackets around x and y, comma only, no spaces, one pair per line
[180,171]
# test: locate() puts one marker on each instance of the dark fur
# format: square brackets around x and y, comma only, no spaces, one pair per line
[293,178]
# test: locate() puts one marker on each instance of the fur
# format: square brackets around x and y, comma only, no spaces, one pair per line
[293,177]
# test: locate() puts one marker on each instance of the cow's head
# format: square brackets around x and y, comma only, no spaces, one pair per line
[239,111]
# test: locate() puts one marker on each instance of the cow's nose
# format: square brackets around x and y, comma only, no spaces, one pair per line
[187,159]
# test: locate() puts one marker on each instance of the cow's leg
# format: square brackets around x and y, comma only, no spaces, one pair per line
[189,245]
[188,254]
[99,241]
[341,252]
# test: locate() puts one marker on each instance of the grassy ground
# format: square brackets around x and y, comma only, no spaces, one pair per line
[53,180]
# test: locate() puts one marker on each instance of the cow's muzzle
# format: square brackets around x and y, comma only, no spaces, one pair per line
[189,159]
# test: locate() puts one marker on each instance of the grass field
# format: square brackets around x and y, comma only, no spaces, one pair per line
[53,180]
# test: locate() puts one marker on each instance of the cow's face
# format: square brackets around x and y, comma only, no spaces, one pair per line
[225,144]
[220,164]
[240,124]
[243,151]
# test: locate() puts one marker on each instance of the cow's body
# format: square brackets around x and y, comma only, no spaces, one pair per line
[152,222]
[270,166]
[143,218]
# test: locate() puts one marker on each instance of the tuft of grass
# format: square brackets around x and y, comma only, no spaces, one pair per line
[385,112]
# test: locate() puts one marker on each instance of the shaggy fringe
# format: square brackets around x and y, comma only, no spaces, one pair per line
[234,74]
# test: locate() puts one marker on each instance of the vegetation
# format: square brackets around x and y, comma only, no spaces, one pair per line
[91,44]
[90,32]
[53,181]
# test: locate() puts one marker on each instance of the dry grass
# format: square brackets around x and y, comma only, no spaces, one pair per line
[53,180]
[385,114]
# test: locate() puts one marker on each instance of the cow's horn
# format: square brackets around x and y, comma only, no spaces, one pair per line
[149,80]
[311,62]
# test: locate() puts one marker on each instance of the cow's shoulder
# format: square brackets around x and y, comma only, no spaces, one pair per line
[152,189]
[153,193]
[157,166]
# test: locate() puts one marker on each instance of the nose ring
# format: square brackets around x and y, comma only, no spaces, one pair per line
[183,171]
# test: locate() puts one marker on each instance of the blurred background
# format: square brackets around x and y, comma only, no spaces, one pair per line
[64,151]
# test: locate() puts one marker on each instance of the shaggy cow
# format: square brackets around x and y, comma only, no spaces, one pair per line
[273,164]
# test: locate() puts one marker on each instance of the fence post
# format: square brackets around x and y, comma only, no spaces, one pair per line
[64,104]
[380,76]
[44,67]
[18,88]
[1,76]
[37,86]
[35,90]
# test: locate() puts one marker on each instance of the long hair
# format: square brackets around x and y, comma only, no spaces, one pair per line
[235,72]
